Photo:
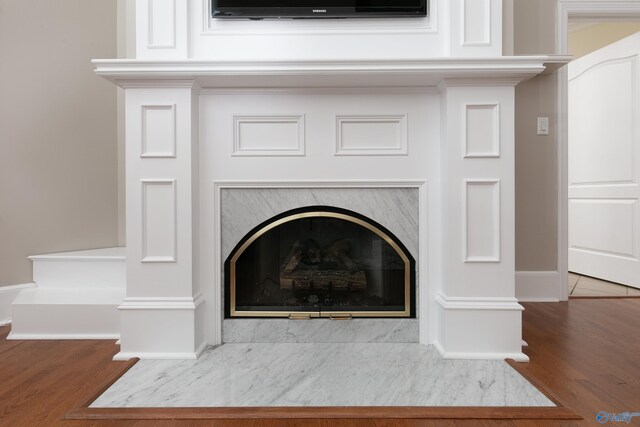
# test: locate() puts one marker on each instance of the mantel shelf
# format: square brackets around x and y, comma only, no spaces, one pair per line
[266,74]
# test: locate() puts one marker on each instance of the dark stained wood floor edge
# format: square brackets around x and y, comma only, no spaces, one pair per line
[377,412]
[604,296]
[84,405]
[537,384]
[84,412]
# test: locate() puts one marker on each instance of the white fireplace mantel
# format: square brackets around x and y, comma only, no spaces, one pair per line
[194,78]
[379,73]
[179,139]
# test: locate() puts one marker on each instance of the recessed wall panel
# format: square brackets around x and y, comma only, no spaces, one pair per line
[267,135]
[604,226]
[158,131]
[371,135]
[482,130]
[482,221]
[159,238]
[476,22]
[162,24]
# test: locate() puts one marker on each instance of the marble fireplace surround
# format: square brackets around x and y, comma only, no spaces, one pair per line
[397,209]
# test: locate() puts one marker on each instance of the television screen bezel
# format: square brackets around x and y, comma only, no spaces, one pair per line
[317,12]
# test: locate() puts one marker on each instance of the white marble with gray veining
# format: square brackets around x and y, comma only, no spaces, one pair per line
[397,209]
[320,331]
[249,375]
[242,209]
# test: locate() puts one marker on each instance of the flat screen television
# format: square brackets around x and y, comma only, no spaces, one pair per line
[309,9]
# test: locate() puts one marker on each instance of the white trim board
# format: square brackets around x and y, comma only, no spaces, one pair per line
[611,10]
[538,286]
[73,336]
[7,295]
[161,356]
[518,357]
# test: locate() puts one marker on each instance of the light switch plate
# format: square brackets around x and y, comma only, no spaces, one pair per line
[543,125]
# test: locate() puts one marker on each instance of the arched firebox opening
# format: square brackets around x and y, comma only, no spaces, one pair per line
[320,261]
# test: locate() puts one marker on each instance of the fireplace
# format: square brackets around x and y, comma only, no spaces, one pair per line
[228,126]
[320,261]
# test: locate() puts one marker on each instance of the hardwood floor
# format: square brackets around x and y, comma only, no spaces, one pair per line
[585,352]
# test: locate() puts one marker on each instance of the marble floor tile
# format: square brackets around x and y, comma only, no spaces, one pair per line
[294,374]
[320,331]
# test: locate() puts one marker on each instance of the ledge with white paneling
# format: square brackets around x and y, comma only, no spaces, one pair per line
[430,72]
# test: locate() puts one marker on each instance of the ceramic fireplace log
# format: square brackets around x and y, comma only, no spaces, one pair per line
[309,267]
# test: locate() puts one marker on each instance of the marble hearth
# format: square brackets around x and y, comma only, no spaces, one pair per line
[410,123]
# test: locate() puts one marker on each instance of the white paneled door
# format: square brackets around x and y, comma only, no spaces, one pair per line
[604,163]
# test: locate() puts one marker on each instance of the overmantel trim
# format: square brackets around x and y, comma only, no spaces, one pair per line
[430,72]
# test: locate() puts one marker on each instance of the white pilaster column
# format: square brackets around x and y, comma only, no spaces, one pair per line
[162,315]
[479,315]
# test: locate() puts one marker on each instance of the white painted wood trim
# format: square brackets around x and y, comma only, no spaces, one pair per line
[146,153]
[426,328]
[298,119]
[172,34]
[13,336]
[307,27]
[486,40]
[496,130]
[135,71]
[88,255]
[610,10]
[497,224]
[401,147]
[162,303]
[171,257]
[518,357]
[478,303]
[471,323]
[121,356]
[7,295]
[538,286]
[151,44]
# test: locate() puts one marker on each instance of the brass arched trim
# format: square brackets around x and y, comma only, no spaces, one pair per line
[319,214]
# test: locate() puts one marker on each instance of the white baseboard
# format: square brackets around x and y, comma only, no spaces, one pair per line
[123,356]
[13,336]
[7,295]
[518,357]
[479,328]
[537,286]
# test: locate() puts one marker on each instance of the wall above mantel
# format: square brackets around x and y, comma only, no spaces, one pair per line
[423,73]
[184,29]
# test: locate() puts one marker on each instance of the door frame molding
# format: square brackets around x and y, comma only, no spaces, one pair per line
[566,10]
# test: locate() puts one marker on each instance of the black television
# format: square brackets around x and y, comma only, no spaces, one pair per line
[310,9]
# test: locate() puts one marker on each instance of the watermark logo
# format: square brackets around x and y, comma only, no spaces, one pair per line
[603,417]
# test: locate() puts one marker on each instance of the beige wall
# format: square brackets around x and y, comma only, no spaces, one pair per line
[58,153]
[536,160]
[597,35]
[536,156]
[59,168]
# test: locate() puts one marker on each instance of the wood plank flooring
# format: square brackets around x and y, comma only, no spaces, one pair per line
[586,352]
